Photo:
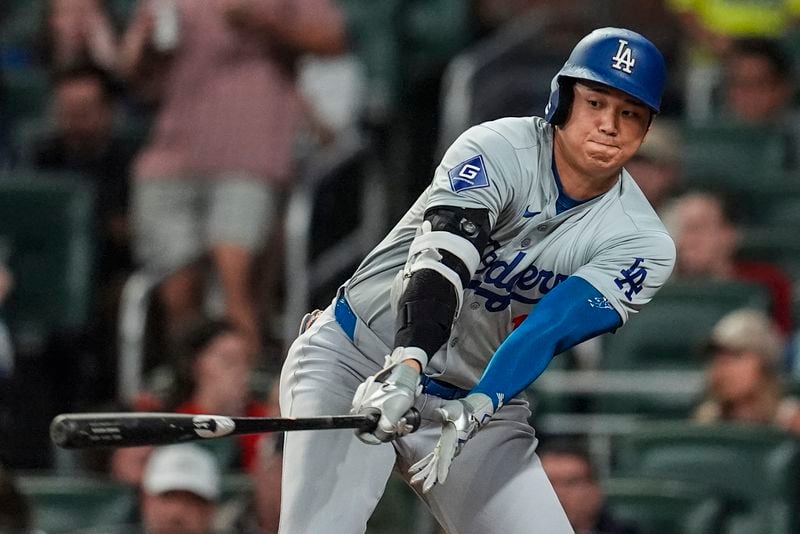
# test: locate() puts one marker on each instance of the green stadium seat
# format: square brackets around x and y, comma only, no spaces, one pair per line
[725,152]
[399,511]
[668,335]
[26,93]
[670,330]
[24,136]
[47,223]
[778,245]
[755,469]
[64,504]
[663,506]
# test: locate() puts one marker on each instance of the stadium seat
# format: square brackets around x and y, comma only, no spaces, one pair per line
[64,504]
[47,225]
[663,507]
[670,330]
[725,152]
[668,335]
[754,469]
[399,511]
[495,78]
[26,93]
[775,244]
[25,135]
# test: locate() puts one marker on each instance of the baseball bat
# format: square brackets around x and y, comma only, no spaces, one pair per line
[89,430]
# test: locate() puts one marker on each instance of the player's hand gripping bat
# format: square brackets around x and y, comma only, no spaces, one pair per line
[79,431]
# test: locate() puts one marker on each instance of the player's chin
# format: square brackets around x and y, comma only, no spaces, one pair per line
[610,159]
[604,162]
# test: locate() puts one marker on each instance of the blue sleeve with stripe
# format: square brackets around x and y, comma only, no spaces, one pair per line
[571,313]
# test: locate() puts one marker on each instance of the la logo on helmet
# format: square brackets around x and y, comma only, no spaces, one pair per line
[624,59]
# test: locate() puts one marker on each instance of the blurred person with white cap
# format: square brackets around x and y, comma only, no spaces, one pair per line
[180,489]
[744,378]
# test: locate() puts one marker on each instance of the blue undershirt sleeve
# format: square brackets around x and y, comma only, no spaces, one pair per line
[571,313]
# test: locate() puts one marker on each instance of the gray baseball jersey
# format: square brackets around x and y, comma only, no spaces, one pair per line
[332,481]
[615,242]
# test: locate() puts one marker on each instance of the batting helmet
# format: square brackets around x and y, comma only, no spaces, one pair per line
[618,58]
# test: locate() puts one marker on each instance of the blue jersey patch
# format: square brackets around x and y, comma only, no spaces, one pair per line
[470,174]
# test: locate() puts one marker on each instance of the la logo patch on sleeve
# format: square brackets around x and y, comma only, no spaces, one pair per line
[470,174]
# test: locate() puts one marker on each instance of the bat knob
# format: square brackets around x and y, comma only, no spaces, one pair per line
[413,419]
[61,431]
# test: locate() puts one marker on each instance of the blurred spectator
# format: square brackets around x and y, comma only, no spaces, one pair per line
[758,82]
[180,489]
[657,167]
[6,346]
[15,512]
[706,240]
[744,379]
[222,143]
[711,26]
[217,369]
[268,474]
[569,467]
[759,90]
[76,32]
[128,465]
[85,143]
[213,375]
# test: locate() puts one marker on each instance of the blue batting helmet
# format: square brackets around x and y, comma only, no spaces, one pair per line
[618,58]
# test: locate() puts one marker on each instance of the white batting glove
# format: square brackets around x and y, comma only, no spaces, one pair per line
[460,420]
[390,393]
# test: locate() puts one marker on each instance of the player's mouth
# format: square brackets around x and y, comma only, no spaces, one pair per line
[601,143]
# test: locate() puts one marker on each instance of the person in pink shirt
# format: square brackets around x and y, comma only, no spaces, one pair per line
[206,184]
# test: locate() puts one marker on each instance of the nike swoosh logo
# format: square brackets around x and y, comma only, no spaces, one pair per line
[529,214]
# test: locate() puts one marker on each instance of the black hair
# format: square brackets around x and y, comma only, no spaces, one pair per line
[769,49]
[566,94]
[197,337]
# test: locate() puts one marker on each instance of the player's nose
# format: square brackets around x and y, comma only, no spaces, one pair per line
[608,122]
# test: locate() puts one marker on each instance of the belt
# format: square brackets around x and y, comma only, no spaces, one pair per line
[347,320]
[345,315]
[443,390]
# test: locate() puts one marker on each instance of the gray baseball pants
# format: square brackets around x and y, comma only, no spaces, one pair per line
[332,481]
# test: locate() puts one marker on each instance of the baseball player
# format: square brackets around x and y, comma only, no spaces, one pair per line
[530,239]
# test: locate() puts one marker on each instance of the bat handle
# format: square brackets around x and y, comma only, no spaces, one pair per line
[412,417]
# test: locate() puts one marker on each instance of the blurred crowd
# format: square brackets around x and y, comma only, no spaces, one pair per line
[190,124]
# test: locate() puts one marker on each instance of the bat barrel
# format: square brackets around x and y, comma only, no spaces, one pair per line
[75,431]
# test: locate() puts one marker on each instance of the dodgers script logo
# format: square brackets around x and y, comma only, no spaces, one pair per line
[499,284]
[470,174]
[624,60]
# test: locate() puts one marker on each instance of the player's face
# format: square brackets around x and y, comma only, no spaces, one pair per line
[603,131]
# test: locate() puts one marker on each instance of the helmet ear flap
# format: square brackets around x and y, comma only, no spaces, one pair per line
[566,95]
